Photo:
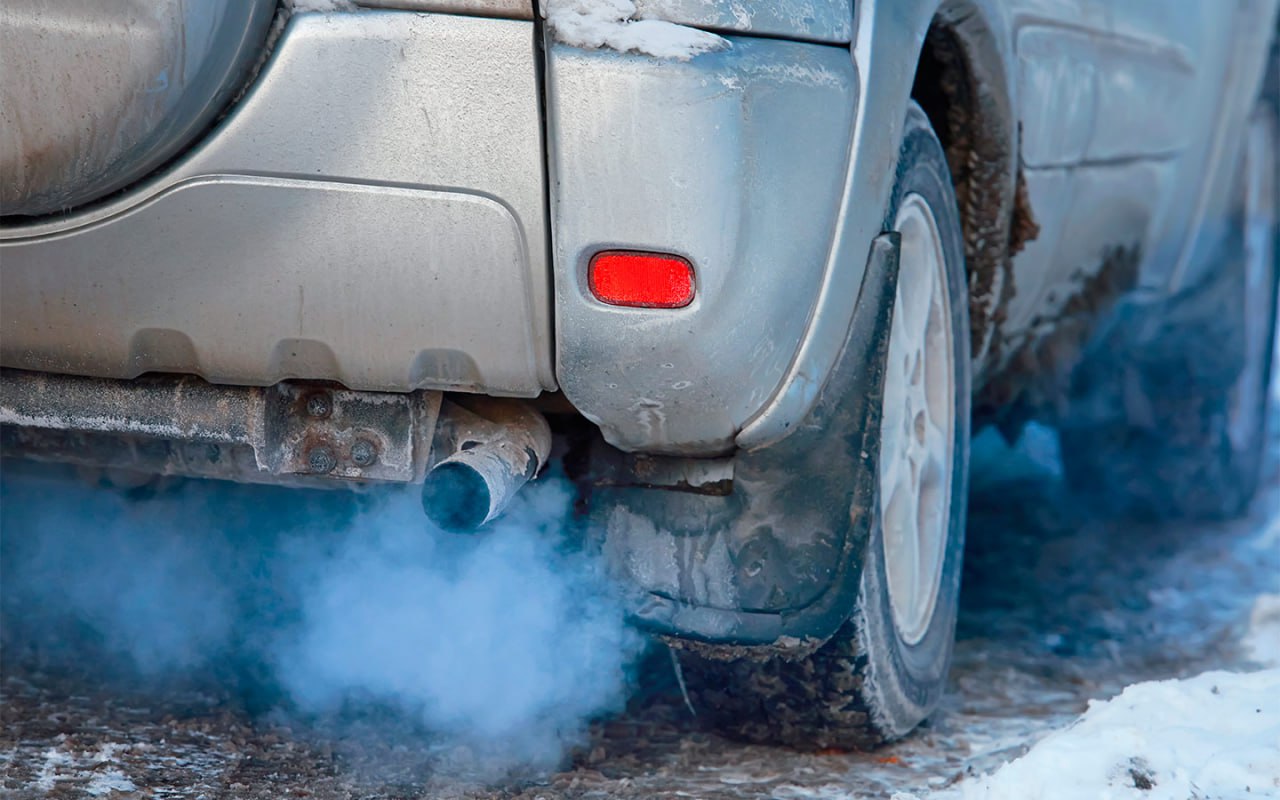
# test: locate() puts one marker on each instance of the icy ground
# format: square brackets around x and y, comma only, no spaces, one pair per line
[1214,735]
[1060,608]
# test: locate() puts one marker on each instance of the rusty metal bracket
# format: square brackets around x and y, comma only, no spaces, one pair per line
[610,467]
[346,434]
[184,425]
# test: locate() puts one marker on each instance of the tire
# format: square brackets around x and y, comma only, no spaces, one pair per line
[884,670]
[1169,415]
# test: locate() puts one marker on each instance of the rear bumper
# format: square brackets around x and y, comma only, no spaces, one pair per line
[735,160]
[372,213]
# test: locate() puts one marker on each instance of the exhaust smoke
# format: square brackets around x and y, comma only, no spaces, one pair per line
[506,644]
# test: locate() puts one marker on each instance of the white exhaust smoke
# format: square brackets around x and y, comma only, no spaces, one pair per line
[507,643]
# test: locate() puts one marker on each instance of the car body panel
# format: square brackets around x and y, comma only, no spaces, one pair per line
[502,9]
[1055,71]
[888,37]
[1159,86]
[224,248]
[707,159]
[421,264]
[827,21]
[1233,73]
[1100,177]
[97,94]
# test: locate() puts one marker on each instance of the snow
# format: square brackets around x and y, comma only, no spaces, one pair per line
[107,782]
[1216,735]
[99,771]
[611,23]
[54,761]
[323,6]
[1262,641]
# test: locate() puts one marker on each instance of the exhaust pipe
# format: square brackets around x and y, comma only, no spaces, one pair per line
[492,447]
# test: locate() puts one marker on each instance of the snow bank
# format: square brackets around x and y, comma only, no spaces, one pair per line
[324,6]
[610,23]
[1213,736]
[1262,641]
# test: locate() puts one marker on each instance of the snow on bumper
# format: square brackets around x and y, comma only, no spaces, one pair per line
[610,23]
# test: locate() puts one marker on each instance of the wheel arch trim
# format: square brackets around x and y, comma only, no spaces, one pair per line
[984,30]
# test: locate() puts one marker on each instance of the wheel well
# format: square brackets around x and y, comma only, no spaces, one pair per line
[960,84]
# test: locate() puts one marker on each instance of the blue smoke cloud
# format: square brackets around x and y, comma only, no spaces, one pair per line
[508,642]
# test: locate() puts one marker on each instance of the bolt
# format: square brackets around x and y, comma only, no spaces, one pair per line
[364,453]
[318,405]
[320,459]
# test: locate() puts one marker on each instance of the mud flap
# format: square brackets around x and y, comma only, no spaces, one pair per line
[776,560]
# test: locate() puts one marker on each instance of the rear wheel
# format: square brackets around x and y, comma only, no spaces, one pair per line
[883,671]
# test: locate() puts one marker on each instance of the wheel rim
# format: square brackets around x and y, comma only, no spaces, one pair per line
[917,424]
[1243,419]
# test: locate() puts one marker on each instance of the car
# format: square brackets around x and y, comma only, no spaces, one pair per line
[750,273]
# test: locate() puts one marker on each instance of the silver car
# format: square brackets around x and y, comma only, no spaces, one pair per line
[750,272]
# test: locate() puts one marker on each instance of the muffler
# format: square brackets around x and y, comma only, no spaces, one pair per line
[485,449]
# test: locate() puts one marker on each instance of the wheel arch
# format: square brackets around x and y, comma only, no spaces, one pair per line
[899,49]
[965,83]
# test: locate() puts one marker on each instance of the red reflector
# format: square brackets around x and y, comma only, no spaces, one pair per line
[641,280]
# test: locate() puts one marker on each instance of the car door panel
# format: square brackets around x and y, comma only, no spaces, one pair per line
[1057,90]
[1112,96]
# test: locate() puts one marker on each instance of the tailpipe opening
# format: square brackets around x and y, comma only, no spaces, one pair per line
[491,448]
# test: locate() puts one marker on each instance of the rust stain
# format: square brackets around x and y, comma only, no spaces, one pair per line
[1024,227]
[1034,382]
[997,217]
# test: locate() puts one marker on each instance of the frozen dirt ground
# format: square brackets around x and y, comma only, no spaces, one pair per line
[1059,606]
